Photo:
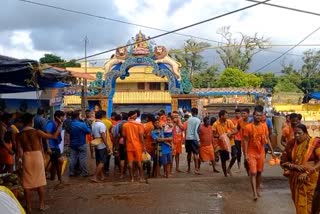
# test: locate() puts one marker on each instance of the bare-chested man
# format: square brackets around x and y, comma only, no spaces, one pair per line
[30,153]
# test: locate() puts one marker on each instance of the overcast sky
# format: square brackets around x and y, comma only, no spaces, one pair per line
[29,31]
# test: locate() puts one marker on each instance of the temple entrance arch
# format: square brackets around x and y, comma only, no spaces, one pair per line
[156,61]
[121,71]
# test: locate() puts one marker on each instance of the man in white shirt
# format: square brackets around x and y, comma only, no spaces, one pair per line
[99,131]
[192,140]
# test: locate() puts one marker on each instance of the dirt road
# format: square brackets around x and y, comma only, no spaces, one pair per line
[183,193]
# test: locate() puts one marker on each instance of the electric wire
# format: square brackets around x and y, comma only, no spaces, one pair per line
[158,29]
[290,49]
[287,8]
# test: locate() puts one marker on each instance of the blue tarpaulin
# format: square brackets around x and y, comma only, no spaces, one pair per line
[24,75]
[315,95]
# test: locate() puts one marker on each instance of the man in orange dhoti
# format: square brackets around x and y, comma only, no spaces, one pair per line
[256,135]
[242,123]
[133,133]
[206,143]
[30,153]
[224,127]
[178,138]
[150,145]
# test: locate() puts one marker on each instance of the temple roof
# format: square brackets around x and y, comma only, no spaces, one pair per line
[229,91]
[137,74]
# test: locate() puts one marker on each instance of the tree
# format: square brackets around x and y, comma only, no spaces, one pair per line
[207,78]
[285,85]
[72,63]
[307,78]
[233,77]
[269,80]
[239,53]
[50,58]
[58,61]
[189,56]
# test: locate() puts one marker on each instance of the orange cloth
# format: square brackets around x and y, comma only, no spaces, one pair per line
[257,136]
[206,135]
[207,153]
[288,133]
[5,156]
[33,174]
[134,156]
[242,125]
[302,192]
[88,138]
[236,121]
[256,163]
[223,128]
[131,130]
[148,127]
[163,120]
[178,138]
[206,143]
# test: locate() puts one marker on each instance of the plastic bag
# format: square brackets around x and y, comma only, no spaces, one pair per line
[225,142]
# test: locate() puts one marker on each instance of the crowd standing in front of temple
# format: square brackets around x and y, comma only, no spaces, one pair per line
[149,146]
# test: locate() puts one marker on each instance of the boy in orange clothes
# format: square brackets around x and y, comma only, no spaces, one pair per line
[287,131]
[237,136]
[221,127]
[256,135]
[178,138]
[133,133]
[162,118]
[206,143]
[243,122]
[150,145]
[148,127]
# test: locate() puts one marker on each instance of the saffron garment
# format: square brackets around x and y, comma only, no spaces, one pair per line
[131,130]
[206,143]
[178,138]
[5,156]
[237,136]
[150,146]
[288,133]
[223,128]
[242,126]
[257,138]
[33,173]
[163,120]
[306,153]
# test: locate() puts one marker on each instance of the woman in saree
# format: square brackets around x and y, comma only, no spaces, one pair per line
[301,158]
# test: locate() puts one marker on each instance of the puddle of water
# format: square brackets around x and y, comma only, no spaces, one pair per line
[215,203]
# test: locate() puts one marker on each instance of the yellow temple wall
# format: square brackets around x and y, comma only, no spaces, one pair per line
[309,112]
[135,97]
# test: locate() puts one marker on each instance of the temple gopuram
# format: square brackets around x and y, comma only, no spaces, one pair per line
[141,75]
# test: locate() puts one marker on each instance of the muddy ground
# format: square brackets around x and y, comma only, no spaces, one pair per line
[182,193]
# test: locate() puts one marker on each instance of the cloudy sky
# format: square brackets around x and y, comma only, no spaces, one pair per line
[29,31]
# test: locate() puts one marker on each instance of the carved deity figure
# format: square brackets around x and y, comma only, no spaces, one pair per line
[141,47]
[120,56]
[161,56]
